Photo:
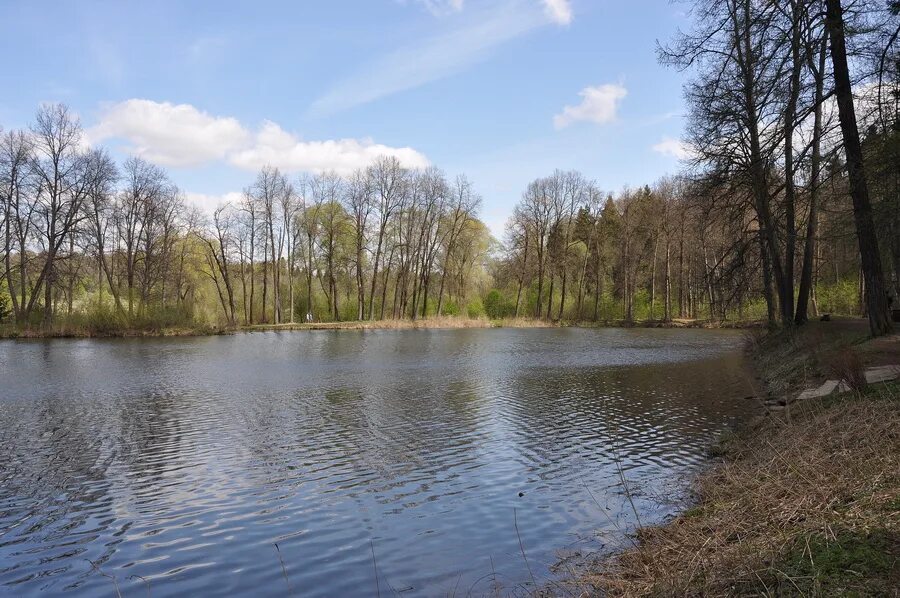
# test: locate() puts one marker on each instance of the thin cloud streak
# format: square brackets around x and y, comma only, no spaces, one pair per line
[433,59]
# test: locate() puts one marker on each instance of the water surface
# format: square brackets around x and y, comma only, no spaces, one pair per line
[182,462]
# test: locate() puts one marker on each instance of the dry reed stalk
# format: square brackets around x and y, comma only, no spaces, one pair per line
[789,483]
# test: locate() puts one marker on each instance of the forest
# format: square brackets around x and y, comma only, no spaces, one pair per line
[786,207]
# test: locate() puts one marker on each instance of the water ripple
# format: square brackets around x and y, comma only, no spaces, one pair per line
[180,463]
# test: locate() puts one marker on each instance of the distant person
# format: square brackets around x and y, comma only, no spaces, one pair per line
[309,318]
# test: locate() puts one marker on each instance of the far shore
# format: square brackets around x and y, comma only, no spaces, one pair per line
[435,323]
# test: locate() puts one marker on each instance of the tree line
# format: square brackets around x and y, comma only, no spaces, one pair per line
[83,235]
[775,131]
[384,242]
[787,206]
[779,187]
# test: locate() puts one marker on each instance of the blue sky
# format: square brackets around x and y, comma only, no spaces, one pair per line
[501,90]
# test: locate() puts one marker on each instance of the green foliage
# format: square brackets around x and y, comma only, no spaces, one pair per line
[493,304]
[475,309]
[450,309]
[5,308]
[530,300]
[839,298]
[610,308]
[640,306]
[164,317]
[849,562]
[755,310]
[347,310]
[104,320]
[498,306]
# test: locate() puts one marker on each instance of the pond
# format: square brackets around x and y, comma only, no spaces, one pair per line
[379,462]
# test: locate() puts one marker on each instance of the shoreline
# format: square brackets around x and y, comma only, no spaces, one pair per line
[11,332]
[803,500]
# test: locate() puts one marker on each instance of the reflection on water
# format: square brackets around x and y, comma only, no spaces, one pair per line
[181,462]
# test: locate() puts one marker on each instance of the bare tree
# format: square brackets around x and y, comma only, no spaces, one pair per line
[876,292]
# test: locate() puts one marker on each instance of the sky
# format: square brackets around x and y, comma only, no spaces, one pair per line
[503,91]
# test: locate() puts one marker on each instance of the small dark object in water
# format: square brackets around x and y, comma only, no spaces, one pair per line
[825,318]
[521,494]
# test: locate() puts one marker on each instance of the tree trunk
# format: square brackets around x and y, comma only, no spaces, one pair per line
[810,246]
[876,293]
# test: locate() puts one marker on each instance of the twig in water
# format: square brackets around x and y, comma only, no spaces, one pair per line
[608,516]
[624,481]
[496,584]
[522,547]
[375,567]
[628,495]
[283,570]
[143,579]
[96,567]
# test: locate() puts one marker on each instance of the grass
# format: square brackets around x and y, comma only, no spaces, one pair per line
[436,322]
[673,323]
[848,562]
[106,325]
[788,361]
[70,331]
[807,504]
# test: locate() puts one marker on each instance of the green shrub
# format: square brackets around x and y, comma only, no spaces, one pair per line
[347,311]
[475,309]
[450,309]
[610,307]
[496,306]
[105,320]
[839,298]
[756,310]
[640,305]
[4,306]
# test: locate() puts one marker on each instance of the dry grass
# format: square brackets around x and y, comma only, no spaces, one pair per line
[673,323]
[66,330]
[844,363]
[792,360]
[427,323]
[79,330]
[808,506]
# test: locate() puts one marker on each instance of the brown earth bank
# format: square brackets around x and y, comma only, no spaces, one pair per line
[805,501]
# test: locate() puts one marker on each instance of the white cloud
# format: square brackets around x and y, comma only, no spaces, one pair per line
[279,148]
[182,135]
[169,134]
[440,56]
[669,146]
[440,8]
[599,105]
[559,11]
[208,203]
